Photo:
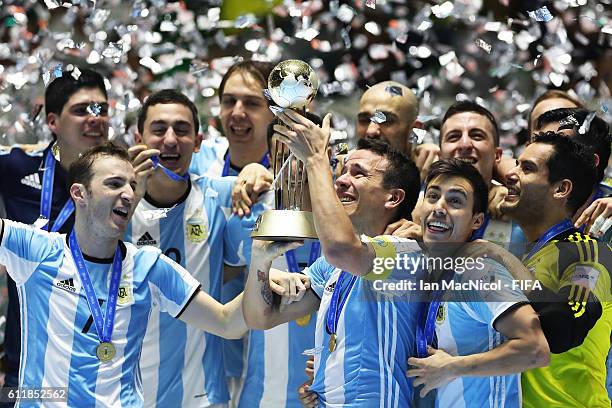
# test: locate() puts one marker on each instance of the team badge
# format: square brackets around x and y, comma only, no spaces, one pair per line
[441,314]
[124,296]
[197,228]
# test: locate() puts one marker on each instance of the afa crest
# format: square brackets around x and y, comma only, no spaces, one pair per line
[197,228]
[441,314]
[124,296]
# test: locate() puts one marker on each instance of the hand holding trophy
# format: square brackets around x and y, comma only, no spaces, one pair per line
[292,84]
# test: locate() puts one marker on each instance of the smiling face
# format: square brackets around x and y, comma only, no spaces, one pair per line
[447,210]
[400,113]
[169,128]
[109,199]
[470,136]
[76,128]
[361,192]
[529,192]
[244,111]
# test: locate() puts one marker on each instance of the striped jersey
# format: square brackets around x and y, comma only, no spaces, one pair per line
[182,365]
[375,338]
[209,159]
[59,338]
[465,327]
[577,377]
[276,362]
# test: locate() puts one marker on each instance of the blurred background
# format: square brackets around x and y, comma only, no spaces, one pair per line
[502,53]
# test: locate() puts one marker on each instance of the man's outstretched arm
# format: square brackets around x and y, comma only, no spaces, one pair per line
[262,310]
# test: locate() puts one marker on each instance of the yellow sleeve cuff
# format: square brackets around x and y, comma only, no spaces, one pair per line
[384,262]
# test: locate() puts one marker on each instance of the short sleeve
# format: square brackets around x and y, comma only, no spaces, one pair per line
[319,273]
[173,285]
[486,305]
[24,248]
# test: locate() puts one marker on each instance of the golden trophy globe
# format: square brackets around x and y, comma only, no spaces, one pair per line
[292,84]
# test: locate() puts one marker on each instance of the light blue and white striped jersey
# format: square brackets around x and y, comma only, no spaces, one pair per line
[375,338]
[182,365]
[59,338]
[209,159]
[465,328]
[276,362]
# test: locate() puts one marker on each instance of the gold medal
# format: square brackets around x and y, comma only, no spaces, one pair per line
[303,321]
[105,351]
[332,342]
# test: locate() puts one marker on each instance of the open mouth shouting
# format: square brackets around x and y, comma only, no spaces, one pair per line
[120,215]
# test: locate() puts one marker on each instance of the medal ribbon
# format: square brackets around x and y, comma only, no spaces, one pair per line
[426,327]
[46,197]
[550,234]
[104,327]
[333,313]
[265,161]
[315,252]
[168,172]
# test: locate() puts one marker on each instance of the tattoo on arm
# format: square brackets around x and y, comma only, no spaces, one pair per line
[266,291]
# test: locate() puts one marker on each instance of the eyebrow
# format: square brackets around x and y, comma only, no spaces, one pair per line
[459,191]
[527,161]
[455,190]
[163,122]
[254,96]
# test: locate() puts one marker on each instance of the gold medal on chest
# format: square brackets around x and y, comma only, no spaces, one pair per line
[105,351]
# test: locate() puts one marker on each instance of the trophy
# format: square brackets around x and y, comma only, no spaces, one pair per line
[292,84]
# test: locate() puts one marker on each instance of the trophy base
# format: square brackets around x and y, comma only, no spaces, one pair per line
[284,225]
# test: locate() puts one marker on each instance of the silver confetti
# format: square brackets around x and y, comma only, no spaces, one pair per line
[570,121]
[541,14]
[484,45]
[94,109]
[76,73]
[394,90]
[586,125]
[378,118]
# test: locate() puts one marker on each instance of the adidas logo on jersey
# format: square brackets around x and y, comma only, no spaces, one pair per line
[146,239]
[32,180]
[67,284]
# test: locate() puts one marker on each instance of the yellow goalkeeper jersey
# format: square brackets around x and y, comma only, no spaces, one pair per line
[576,378]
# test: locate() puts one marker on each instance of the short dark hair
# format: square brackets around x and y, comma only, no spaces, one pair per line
[597,137]
[460,168]
[167,96]
[259,70]
[573,161]
[80,171]
[470,106]
[401,173]
[62,88]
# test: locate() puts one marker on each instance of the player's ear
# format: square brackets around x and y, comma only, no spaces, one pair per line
[78,193]
[198,142]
